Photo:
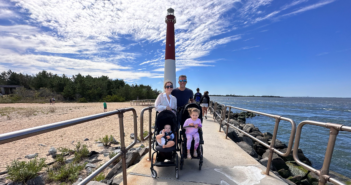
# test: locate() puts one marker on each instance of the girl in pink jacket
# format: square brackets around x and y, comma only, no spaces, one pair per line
[192,124]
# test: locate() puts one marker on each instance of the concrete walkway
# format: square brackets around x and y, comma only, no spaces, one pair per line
[224,163]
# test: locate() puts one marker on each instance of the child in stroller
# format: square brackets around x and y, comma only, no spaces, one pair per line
[166,153]
[192,124]
[195,145]
[166,137]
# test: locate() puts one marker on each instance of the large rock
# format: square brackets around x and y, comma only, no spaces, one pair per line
[304,182]
[143,151]
[297,170]
[36,181]
[260,149]
[263,139]
[233,134]
[248,149]
[264,162]
[312,178]
[295,179]
[278,144]
[284,173]
[248,127]
[131,159]
[248,140]
[300,154]
[277,162]
[31,156]
[268,135]
[52,151]
[256,133]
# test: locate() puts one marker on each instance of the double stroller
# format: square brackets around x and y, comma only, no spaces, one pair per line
[166,157]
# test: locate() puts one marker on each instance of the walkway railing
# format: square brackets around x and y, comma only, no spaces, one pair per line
[334,131]
[144,102]
[142,127]
[20,134]
[270,147]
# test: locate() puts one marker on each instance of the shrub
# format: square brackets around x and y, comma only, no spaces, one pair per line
[82,100]
[114,98]
[21,171]
[15,97]
[66,173]
[80,153]
[106,141]
[99,177]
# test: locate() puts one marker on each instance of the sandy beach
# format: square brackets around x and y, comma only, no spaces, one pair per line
[26,115]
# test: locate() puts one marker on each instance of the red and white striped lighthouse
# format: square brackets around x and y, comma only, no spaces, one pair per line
[170,67]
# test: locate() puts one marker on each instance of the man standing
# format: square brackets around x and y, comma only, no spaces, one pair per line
[182,93]
[105,107]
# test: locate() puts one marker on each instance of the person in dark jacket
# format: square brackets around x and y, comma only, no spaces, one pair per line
[197,96]
[204,102]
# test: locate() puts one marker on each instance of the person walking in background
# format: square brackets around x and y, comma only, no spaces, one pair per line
[197,96]
[53,101]
[165,101]
[204,102]
[50,101]
[105,107]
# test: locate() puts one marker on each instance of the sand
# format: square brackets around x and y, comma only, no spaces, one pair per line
[26,115]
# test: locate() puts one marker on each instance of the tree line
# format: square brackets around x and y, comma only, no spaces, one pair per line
[78,87]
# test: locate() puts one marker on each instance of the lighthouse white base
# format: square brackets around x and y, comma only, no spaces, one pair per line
[170,72]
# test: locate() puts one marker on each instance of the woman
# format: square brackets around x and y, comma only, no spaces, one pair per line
[204,102]
[165,101]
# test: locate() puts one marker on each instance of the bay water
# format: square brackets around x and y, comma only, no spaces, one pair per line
[314,139]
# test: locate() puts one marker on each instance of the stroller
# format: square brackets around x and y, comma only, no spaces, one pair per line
[183,150]
[163,118]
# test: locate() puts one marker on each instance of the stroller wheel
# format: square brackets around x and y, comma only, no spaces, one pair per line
[200,166]
[153,174]
[177,173]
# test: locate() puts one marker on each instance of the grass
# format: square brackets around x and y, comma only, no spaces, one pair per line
[52,109]
[29,112]
[106,141]
[99,177]
[21,171]
[66,173]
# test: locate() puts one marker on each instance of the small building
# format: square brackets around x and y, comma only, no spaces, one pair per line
[8,89]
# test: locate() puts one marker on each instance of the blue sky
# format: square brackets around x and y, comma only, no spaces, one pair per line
[244,47]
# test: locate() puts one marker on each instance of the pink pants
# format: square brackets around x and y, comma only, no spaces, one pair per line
[190,137]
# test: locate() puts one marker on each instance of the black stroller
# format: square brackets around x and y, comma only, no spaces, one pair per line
[183,153]
[163,118]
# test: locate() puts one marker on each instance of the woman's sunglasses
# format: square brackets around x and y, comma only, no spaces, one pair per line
[169,86]
[182,81]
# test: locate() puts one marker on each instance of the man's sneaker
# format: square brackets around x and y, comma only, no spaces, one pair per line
[195,154]
[206,116]
[188,156]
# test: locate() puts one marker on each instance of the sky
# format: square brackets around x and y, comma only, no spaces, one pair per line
[242,47]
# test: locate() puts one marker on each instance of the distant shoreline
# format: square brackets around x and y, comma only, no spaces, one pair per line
[264,96]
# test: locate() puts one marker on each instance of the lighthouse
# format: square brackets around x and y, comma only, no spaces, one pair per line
[170,67]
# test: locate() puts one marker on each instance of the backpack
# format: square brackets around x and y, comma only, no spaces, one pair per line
[197,96]
[204,100]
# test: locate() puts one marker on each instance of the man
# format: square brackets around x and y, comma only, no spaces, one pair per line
[198,96]
[183,94]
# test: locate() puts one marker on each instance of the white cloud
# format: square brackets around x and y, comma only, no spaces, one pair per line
[246,47]
[310,7]
[68,34]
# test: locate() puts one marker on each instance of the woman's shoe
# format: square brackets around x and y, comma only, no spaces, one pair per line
[195,154]
[188,156]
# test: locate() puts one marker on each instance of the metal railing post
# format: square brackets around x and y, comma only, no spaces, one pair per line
[123,148]
[150,134]
[226,134]
[271,148]
[222,118]
[214,111]
[324,175]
